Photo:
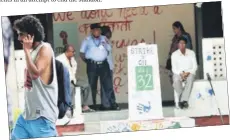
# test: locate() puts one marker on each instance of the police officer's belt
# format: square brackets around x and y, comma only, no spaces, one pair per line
[96,62]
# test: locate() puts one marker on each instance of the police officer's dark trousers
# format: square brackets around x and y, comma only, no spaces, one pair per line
[101,70]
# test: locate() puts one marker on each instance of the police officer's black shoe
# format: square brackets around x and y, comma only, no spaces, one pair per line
[115,107]
[181,105]
[185,104]
[103,108]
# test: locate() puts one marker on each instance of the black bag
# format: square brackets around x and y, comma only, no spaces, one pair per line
[64,93]
[168,64]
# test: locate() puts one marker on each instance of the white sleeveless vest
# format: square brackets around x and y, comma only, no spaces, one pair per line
[41,99]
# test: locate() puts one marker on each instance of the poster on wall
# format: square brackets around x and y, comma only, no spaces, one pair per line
[144,83]
[65,33]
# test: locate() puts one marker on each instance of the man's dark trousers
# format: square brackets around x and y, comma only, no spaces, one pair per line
[101,70]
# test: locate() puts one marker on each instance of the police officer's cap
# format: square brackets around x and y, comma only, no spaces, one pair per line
[95,26]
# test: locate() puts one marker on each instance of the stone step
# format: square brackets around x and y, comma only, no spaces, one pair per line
[70,128]
[77,133]
[106,116]
[118,115]
[100,127]
[92,120]
[129,126]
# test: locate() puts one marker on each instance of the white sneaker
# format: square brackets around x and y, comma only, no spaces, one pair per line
[68,113]
[64,121]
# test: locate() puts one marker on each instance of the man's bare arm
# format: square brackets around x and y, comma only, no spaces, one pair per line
[42,61]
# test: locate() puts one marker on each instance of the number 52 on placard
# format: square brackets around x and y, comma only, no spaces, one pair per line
[144,78]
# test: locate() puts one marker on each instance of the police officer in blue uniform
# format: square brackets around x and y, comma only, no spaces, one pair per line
[94,51]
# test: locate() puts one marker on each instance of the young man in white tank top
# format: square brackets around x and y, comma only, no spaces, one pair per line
[41,88]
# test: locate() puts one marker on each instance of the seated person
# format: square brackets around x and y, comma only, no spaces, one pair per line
[184,66]
[68,60]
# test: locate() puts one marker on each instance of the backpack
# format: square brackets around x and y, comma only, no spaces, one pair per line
[64,90]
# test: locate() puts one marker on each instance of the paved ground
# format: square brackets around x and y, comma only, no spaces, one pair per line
[211,121]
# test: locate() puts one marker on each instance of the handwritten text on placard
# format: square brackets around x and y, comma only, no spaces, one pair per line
[144,78]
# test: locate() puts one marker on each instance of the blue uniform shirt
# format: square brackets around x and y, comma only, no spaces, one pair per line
[110,60]
[97,49]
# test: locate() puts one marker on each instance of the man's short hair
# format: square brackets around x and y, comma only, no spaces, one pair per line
[95,26]
[7,37]
[31,25]
[66,47]
[183,38]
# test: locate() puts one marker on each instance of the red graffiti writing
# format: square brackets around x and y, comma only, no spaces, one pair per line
[63,16]
[114,25]
[119,65]
[131,12]
[119,68]
[96,14]
[124,43]
[143,11]
[120,71]
[120,57]
[157,11]
[117,81]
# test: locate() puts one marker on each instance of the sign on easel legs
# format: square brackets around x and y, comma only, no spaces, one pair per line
[144,83]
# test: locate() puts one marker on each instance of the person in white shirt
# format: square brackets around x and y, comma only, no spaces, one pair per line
[68,60]
[184,67]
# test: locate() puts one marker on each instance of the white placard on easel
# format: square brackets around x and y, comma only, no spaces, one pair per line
[144,88]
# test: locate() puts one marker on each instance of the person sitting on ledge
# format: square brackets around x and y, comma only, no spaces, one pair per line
[184,67]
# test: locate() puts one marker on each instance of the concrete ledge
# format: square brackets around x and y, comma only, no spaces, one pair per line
[130,126]
[106,116]
[66,125]
[77,133]
[69,128]
[201,121]
[202,102]
[67,121]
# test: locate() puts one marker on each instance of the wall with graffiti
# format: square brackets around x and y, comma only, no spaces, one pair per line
[130,26]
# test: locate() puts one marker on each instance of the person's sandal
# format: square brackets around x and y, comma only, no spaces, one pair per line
[88,110]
